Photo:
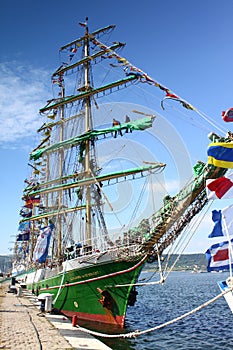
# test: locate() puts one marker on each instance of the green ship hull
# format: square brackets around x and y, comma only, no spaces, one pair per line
[99,292]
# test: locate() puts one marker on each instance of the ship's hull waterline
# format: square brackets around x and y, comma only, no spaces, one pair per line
[98,292]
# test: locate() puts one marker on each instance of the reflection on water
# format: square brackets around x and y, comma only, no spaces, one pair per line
[208,329]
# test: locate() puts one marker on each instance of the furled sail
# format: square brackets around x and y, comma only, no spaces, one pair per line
[139,124]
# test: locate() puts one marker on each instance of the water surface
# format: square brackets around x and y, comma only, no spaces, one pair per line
[208,329]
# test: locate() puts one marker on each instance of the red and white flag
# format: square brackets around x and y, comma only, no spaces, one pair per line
[220,188]
[219,257]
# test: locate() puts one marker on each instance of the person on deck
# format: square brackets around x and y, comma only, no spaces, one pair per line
[115,123]
[127,120]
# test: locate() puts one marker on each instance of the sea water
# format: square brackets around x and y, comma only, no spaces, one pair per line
[208,329]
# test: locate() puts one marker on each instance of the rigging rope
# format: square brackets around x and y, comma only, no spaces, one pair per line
[165,272]
[138,203]
[186,244]
[106,198]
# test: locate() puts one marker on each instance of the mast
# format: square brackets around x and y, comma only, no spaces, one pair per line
[61,160]
[77,148]
[87,87]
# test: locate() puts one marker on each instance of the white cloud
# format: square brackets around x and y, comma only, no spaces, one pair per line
[23,91]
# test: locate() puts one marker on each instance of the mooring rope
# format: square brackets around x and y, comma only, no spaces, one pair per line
[174,320]
[139,284]
[61,284]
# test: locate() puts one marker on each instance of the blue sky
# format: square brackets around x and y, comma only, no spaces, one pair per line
[185,45]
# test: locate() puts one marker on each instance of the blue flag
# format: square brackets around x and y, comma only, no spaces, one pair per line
[217,219]
[223,222]
[23,237]
[24,226]
[42,245]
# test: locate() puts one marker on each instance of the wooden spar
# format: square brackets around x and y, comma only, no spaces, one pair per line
[91,180]
[64,69]
[53,213]
[89,36]
[51,125]
[86,94]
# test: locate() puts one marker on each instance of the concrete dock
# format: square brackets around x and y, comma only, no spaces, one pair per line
[23,326]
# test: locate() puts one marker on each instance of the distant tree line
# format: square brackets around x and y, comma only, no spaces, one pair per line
[185,262]
[5,263]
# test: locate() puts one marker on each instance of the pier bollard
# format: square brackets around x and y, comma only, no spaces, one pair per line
[19,291]
[42,305]
[74,320]
[13,289]
[48,303]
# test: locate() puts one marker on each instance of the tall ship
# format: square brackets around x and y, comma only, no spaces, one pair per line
[72,242]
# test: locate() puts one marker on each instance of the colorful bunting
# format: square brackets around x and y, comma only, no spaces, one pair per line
[227,116]
[83,24]
[220,188]
[53,116]
[41,249]
[220,154]
[223,222]
[31,201]
[141,75]
[24,226]
[25,213]
[176,98]
[58,81]
[73,49]
[218,256]
[23,237]
[217,219]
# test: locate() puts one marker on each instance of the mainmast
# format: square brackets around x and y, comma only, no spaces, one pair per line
[74,146]
[87,87]
[61,160]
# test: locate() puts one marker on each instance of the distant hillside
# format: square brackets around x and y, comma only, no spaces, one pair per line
[5,263]
[191,261]
[186,262]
